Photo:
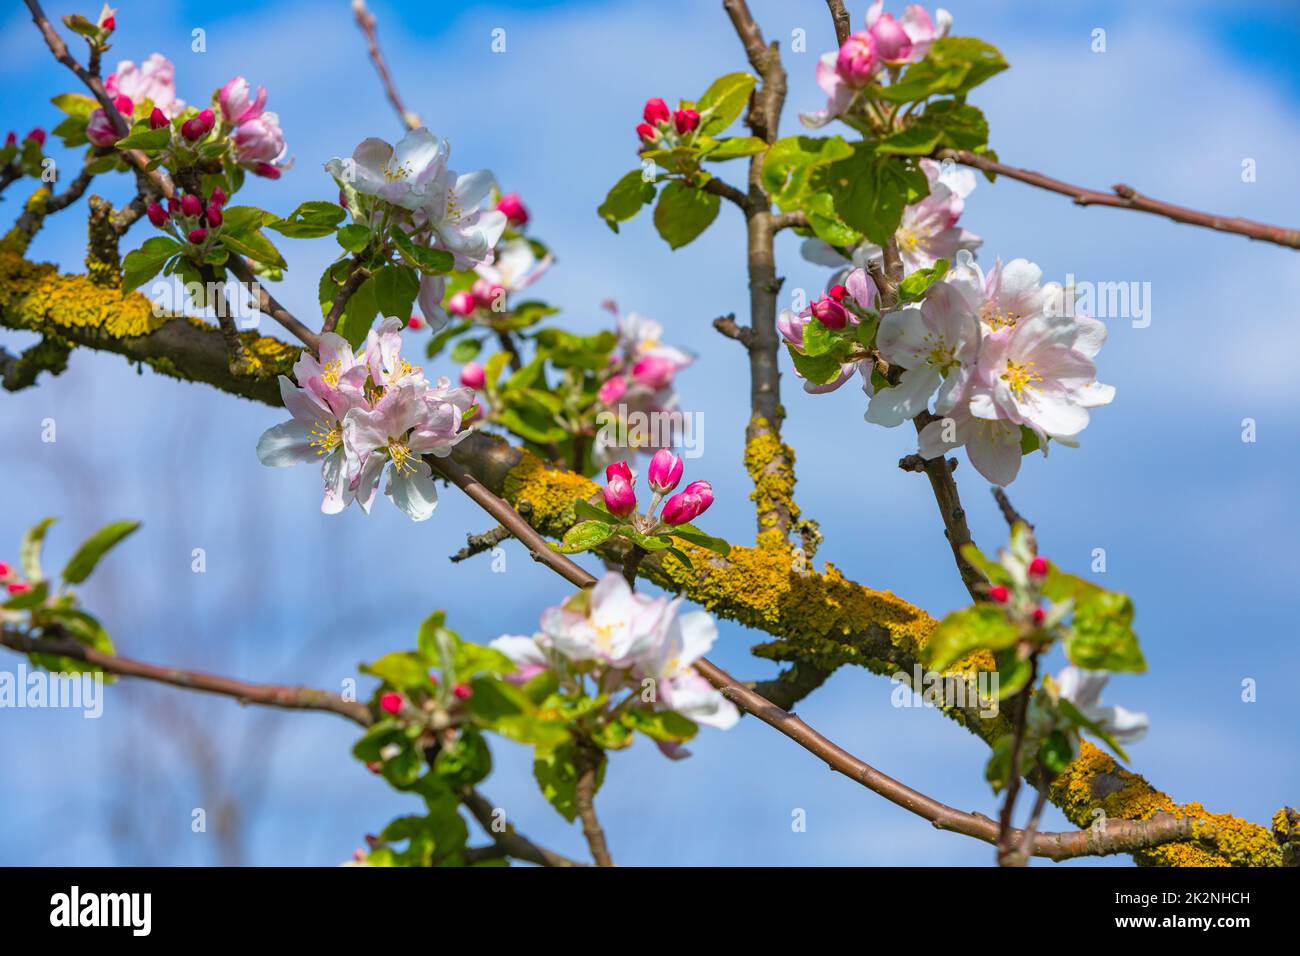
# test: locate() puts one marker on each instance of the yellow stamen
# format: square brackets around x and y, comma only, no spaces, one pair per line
[995,317]
[325,437]
[1020,377]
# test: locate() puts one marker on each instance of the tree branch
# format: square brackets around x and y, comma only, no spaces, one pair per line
[843,24]
[1126,197]
[366,21]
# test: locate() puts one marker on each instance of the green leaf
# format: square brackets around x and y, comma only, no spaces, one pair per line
[526,426]
[354,237]
[467,349]
[963,126]
[991,569]
[723,101]
[402,669]
[359,314]
[789,161]
[426,260]
[819,369]
[584,536]
[998,769]
[734,147]
[1056,752]
[870,192]
[665,725]
[253,245]
[626,198]
[1014,672]
[684,212]
[395,290]
[918,283]
[75,104]
[982,627]
[920,139]
[244,219]
[1077,717]
[29,552]
[310,220]
[585,509]
[954,66]
[700,539]
[557,776]
[1102,637]
[95,547]
[465,761]
[141,265]
[142,137]
[33,597]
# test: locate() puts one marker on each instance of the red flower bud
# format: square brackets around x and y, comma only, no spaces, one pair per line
[830,313]
[38,135]
[6,571]
[157,215]
[1039,615]
[214,215]
[688,504]
[462,303]
[1038,567]
[837,292]
[125,106]
[620,468]
[665,471]
[11,139]
[685,121]
[473,376]
[266,171]
[463,691]
[219,196]
[109,24]
[620,496]
[514,209]
[375,766]
[197,236]
[18,587]
[191,205]
[158,119]
[391,703]
[656,111]
[415,322]
[999,593]
[647,132]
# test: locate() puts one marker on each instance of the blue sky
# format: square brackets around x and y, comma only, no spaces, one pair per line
[1197,525]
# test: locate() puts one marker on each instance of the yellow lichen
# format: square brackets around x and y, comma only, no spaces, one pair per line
[1094,782]
[770,464]
[18,238]
[34,295]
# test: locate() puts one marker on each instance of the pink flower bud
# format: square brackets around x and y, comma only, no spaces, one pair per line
[1039,615]
[489,296]
[463,691]
[654,371]
[612,390]
[513,207]
[665,471]
[791,327]
[893,45]
[685,121]
[856,61]
[655,112]
[158,119]
[125,106]
[620,496]
[197,236]
[99,129]
[38,135]
[192,129]
[266,171]
[415,322]
[219,196]
[236,104]
[6,571]
[473,376]
[214,215]
[391,703]
[18,587]
[173,206]
[837,292]
[688,504]
[620,468]
[192,205]
[109,24]
[999,593]
[647,132]
[157,215]
[1038,567]
[462,303]
[830,313]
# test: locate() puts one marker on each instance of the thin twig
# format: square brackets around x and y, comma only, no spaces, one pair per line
[1126,197]
[366,21]
[843,23]
[478,543]
[504,834]
[727,325]
[267,304]
[587,760]
[357,275]
[1005,842]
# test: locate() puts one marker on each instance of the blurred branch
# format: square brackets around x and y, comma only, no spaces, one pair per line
[366,21]
[1126,197]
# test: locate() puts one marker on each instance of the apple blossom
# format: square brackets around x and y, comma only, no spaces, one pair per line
[856,61]
[685,638]
[609,624]
[403,175]
[514,267]
[452,210]
[259,141]
[154,80]
[937,344]
[100,129]
[993,446]
[918,32]
[237,106]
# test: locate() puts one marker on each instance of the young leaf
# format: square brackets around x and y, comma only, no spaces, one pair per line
[310,220]
[95,547]
[29,552]
[144,263]
[723,101]
[683,212]
[626,198]
[982,627]
[584,536]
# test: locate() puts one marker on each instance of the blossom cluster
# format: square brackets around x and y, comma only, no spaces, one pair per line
[358,414]
[514,266]
[191,217]
[411,187]
[884,46]
[627,641]
[666,128]
[240,120]
[664,474]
